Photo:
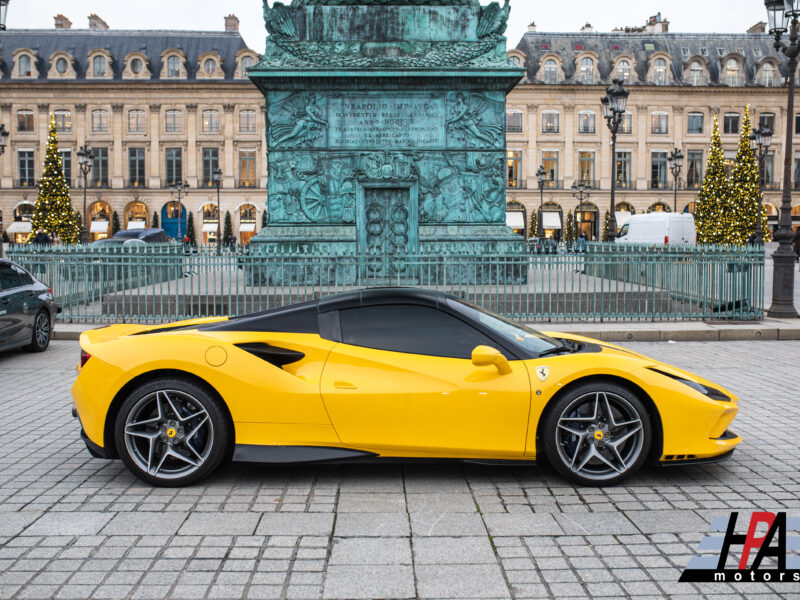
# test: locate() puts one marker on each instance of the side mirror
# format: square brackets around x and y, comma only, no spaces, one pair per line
[486,356]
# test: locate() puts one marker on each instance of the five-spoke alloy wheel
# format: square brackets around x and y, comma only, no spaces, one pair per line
[597,434]
[40,338]
[171,432]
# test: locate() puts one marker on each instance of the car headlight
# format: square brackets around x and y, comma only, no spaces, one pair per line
[710,392]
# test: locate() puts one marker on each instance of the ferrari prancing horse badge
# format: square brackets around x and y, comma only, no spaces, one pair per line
[542,373]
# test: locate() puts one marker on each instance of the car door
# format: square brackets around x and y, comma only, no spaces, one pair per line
[402,380]
[10,306]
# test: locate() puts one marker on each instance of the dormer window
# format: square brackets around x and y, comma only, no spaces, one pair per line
[137,66]
[247,62]
[732,72]
[173,66]
[587,71]
[25,63]
[62,65]
[550,71]
[210,66]
[99,66]
[696,73]
[660,71]
[768,75]
[624,71]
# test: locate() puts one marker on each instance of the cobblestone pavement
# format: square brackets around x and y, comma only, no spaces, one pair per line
[75,527]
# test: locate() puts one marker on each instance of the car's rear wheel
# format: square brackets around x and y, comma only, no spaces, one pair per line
[597,434]
[40,337]
[172,432]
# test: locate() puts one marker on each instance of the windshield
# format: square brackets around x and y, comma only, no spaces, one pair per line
[624,231]
[531,340]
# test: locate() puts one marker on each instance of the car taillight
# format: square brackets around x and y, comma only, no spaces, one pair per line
[666,240]
[51,291]
[85,356]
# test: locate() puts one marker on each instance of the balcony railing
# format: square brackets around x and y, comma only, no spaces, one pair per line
[518,184]
[657,184]
[624,184]
[136,183]
[168,183]
[694,185]
[592,184]
[771,186]
[25,183]
[206,183]
[554,184]
[246,184]
[99,183]
[513,128]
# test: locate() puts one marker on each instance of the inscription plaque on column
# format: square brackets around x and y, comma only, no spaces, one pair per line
[359,121]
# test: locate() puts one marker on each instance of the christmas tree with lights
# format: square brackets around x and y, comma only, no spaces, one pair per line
[569,229]
[746,194]
[534,229]
[713,214]
[53,212]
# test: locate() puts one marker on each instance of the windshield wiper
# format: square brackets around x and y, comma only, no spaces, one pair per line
[555,350]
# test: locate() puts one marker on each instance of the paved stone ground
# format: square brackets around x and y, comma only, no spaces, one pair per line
[74,527]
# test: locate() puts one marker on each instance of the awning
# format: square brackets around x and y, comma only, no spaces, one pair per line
[19,227]
[622,217]
[247,227]
[99,227]
[551,220]
[137,225]
[209,227]
[515,219]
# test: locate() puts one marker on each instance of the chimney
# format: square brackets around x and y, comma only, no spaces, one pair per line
[532,26]
[657,24]
[760,27]
[231,23]
[62,22]
[587,28]
[96,23]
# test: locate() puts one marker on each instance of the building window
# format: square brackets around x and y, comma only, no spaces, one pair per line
[247,121]
[247,168]
[694,169]
[173,121]
[730,123]
[173,67]
[766,170]
[660,71]
[26,169]
[514,162]
[696,76]
[99,121]
[587,71]
[550,122]
[626,125]
[694,123]
[100,167]
[210,121]
[210,66]
[586,168]
[61,65]
[732,72]
[514,122]
[550,164]
[658,170]
[797,124]
[768,75]
[550,71]
[247,62]
[136,121]
[210,164]
[767,120]
[586,122]
[136,167]
[174,170]
[99,66]
[137,66]
[25,66]
[659,123]
[63,121]
[624,71]
[247,223]
[24,121]
[66,165]
[623,170]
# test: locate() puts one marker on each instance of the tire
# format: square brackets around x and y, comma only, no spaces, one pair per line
[587,447]
[42,332]
[172,432]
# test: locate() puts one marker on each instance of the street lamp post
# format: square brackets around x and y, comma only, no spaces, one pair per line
[675,160]
[216,176]
[760,141]
[180,189]
[541,176]
[85,158]
[3,11]
[581,192]
[614,103]
[783,17]
[3,131]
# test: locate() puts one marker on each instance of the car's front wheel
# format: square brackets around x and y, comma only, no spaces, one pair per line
[172,432]
[598,433]
[40,337]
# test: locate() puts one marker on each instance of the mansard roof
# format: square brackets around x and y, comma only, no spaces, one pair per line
[681,47]
[80,42]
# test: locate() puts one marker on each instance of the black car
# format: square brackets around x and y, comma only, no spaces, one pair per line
[27,309]
[147,236]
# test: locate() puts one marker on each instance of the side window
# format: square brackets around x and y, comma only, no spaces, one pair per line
[24,278]
[410,329]
[9,278]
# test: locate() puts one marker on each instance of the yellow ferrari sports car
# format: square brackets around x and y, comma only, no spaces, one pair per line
[387,374]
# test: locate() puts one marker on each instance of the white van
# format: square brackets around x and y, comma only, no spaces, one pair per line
[659,228]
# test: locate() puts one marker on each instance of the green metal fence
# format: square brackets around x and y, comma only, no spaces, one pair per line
[607,282]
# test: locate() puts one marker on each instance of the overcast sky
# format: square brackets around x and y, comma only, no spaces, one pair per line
[564,15]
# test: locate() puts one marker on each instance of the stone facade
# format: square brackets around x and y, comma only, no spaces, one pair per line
[153,100]
[678,84]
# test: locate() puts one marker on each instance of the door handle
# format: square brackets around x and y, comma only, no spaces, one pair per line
[344,385]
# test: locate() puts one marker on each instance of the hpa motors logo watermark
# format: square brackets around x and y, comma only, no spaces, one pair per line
[766,552]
